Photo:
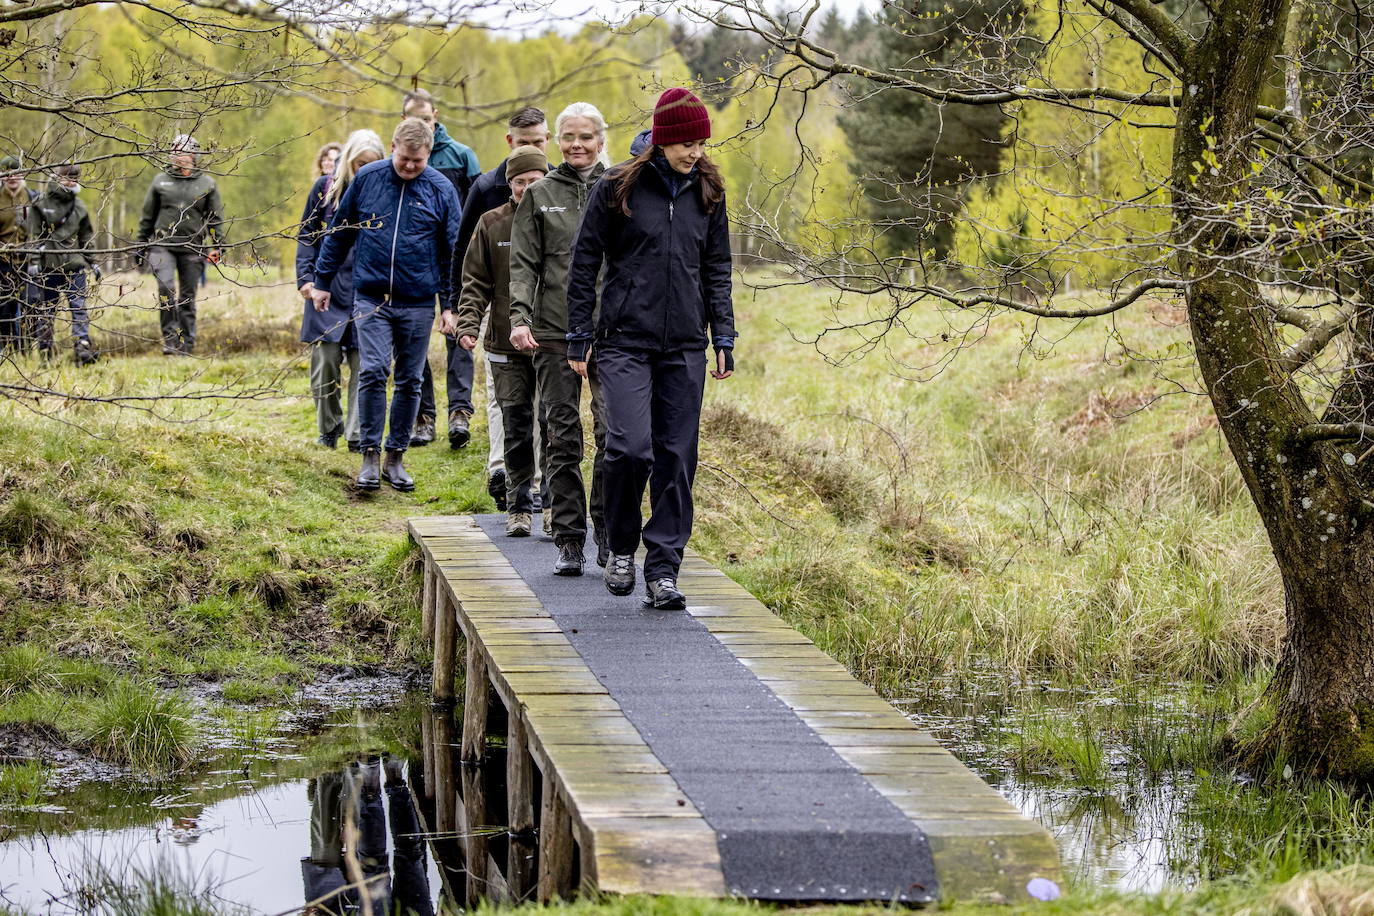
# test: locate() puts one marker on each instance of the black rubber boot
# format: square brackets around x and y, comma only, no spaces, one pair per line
[394,472]
[370,477]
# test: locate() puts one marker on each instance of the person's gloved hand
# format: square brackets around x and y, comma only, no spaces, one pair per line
[725,363]
[96,272]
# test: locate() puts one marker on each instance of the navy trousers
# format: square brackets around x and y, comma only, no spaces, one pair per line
[653,419]
[383,329]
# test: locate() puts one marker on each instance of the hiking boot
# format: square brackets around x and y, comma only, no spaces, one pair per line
[458,432]
[329,442]
[370,477]
[394,472]
[547,515]
[603,555]
[85,353]
[496,488]
[423,433]
[620,574]
[518,525]
[662,595]
[570,559]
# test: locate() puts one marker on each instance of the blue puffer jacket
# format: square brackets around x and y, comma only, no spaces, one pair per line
[402,234]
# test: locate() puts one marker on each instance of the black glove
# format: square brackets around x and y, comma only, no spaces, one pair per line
[577,350]
[729,358]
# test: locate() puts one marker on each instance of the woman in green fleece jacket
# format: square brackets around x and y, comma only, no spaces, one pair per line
[541,250]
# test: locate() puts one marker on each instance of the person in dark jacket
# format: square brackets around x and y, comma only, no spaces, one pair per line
[183,221]
[330,333]
[541,244]
[527,127]
[400,219]
[659,226]
[486,285]
[457,163]
[59,234]
[15,199]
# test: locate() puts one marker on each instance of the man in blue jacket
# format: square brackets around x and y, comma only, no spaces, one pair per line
[400,217]
[458,163]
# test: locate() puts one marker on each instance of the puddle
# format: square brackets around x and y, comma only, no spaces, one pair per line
[1117,822]
[372,800]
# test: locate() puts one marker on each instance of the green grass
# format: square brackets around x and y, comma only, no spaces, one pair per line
[141,726]
[1031,512]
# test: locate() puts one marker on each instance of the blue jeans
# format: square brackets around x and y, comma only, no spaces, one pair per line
[49,289]
[385,330]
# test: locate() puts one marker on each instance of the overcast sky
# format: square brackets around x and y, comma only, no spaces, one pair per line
[536,15]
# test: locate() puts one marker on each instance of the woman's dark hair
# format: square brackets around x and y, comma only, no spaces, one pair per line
[712,184]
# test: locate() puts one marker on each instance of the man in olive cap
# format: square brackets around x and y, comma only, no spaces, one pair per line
[182,222]
[15,200]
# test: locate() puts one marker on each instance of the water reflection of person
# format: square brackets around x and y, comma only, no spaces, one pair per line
[354,795]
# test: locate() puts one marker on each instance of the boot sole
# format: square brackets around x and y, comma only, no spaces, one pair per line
[568,572]
[517,534]
[457,442]
[369,486]
[402,487]
[620,591]
[673,604]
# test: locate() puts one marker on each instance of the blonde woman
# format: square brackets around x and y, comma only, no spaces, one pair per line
[330,333]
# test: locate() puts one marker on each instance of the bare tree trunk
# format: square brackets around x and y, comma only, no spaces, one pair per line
[1307,490]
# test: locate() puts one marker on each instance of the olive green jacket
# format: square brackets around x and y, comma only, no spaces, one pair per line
[14,219]
[182,211]
[486,281]
[59,231]
[541,252]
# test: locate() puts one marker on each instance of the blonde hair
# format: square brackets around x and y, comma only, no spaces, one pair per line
[591,113]
[413,133]
[358,142]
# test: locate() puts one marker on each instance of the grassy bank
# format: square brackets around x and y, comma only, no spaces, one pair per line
[1041,518]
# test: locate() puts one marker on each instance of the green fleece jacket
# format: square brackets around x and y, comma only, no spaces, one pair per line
[486,281]
[182,211]
[541,251]
[60,228]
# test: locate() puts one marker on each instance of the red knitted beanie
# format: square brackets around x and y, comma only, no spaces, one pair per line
[679,117]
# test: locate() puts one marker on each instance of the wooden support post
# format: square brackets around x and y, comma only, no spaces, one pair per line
[445,644]
[476,843]
[427,750]
[431,577]
[445,785]
[476,696]
[520,862]
[555,846]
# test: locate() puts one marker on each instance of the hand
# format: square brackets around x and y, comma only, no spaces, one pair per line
[96,272]
[213,256]
[579,366]
[306,288]
[522,339]
[725,364]
[467,342]
[448,322]
[321,299]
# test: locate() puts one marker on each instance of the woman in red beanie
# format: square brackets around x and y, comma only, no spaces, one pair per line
[658,223]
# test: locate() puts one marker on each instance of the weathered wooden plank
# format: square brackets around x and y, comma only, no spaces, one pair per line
[475,699]
[556,847]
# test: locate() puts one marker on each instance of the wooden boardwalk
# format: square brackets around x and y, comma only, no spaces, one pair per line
[640,747]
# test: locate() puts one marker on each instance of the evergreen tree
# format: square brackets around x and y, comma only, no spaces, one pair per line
[915,155]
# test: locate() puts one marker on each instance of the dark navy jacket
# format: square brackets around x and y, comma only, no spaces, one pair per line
[402,234]
[667,268]
[333,323]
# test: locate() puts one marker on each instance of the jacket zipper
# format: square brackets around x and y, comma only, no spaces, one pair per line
[395,233]
[672,246]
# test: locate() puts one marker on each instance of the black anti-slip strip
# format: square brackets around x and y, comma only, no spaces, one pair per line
[793,819]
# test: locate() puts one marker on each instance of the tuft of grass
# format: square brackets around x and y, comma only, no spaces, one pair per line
[140,726]
[22,784]
[42,527]
[1074,747]
[25,668]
